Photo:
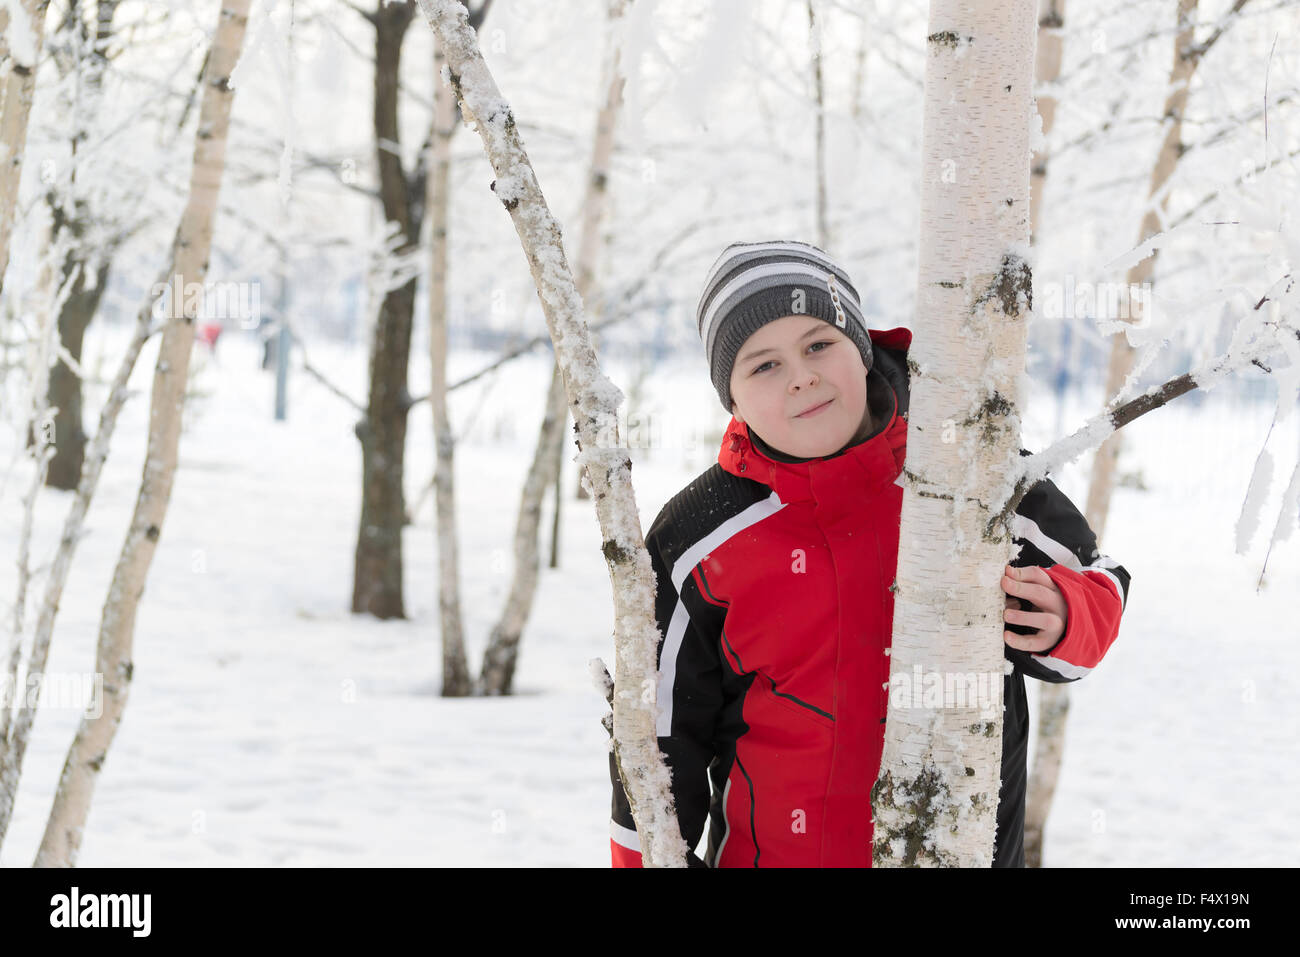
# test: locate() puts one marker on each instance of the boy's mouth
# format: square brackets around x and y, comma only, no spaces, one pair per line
[814,410]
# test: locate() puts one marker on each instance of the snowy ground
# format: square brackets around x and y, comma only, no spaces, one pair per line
[268,726]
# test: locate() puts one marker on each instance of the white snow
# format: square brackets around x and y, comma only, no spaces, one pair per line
[21,33]
[268,726]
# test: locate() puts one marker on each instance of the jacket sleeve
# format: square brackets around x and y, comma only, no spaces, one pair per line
[689,700]
[1054,535]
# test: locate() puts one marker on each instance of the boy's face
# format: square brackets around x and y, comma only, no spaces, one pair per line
[801,385]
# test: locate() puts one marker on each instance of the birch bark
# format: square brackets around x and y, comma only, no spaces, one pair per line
[64,828]
[20,53]
[455,667]
[935,801]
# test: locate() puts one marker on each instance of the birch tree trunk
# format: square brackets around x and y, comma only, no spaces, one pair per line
[13,744]
[455,667]
[935,801]
[502,653]
[1053,699]
[64,829]
[20,53]
[594,402]
[1122,355]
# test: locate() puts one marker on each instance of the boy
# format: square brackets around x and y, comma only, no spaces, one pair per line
[773,571]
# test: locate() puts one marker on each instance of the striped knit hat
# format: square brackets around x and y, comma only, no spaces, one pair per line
[752,284]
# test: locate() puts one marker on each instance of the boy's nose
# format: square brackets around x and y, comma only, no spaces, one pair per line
[803,379]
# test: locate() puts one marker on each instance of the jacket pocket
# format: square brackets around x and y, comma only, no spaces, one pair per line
[792,704]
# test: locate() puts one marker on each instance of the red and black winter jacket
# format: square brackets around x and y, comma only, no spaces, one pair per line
[772,685]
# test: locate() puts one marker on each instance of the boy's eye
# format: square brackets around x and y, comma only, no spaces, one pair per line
[813,347]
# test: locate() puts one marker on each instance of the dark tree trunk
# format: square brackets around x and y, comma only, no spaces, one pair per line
[64,389]
[65,386]
[377,579]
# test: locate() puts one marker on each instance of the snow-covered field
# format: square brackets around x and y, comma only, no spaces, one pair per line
[267,725]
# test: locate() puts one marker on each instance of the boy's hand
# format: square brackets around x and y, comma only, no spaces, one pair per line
[1033,600]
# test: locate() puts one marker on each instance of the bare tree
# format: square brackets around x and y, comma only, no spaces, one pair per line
[377,572]
[499,660]
[87,269]
[593,400]
[189,258]
[455,668]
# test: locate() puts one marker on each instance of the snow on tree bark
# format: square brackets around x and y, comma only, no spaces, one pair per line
[64,828]
[935,801]
[593,401]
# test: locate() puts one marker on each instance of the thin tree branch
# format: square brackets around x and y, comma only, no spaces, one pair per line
[1034,467]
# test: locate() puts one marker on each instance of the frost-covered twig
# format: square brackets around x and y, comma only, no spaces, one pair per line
[1099,427]
[593,399]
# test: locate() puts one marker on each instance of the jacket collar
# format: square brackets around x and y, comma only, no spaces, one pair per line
[836,483]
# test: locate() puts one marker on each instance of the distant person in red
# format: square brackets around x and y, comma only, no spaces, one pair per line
[208,333]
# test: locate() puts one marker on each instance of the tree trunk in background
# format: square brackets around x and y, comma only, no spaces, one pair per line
[64,829]
[502,653]
[935,801]
[1102,482]
[594,402]
[83,299]
[455,667]
[65,385]
[1053,699]
[377,575]
[1047,70]
[819,137]
[18,62]
[867,10]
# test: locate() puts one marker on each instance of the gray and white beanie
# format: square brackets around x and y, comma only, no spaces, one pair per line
[752,284]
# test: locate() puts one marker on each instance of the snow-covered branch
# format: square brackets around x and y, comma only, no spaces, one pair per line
[1270,337]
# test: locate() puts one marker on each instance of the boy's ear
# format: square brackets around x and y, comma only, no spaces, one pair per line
[736,413]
